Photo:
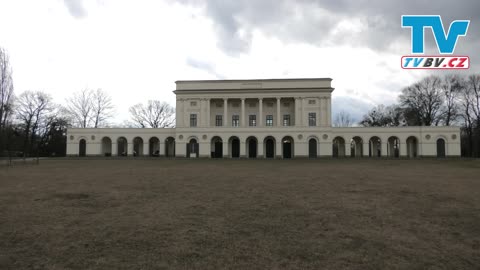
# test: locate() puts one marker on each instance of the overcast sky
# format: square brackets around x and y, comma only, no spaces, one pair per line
[136,50]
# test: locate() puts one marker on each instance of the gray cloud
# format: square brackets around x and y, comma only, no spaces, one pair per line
[204,65]
[356,107]
[314,22]
[76,8]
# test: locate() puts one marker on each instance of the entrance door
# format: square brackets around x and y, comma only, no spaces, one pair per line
[218,150]
[83,148]
[192,148]
[441,148]
[252,149]
[236,148]
[287,149]
[269,149]
[312,148]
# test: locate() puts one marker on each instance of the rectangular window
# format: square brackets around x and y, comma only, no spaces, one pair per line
[235,120]
[193,120]
[269,121]
[218,120]
[312,101]
[286,120]
[193,103]
[252,120]
[312,119]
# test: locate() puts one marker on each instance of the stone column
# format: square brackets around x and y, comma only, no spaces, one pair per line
[403,149]
[242,116]
[323,111]
[279,122]
[225,149]
[208,113]
[185,123]
[243,149]
[225,112]
[130,148]
[384,146]
[260,111]
[114,149]
[146,146]
[179,113]
[297,112]
[278,149]
[303,118]
[329,112]
[161,148]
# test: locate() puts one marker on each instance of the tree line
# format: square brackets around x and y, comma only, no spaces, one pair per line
[447,100]
[33,124]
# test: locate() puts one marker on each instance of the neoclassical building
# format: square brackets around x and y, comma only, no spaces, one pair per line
[276,118]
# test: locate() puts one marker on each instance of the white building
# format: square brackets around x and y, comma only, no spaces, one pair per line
[278,118]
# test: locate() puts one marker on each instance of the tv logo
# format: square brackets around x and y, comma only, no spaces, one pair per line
[446,42]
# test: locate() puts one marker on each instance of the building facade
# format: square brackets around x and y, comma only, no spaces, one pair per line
[277,118]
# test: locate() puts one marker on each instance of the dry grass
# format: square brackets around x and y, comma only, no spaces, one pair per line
[241,214]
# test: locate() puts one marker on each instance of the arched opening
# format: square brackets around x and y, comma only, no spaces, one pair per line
[252,147]
[192,148]
[356,147]
[412,147]
[106,147]
[393,148]
[82,145]
[170,147]
[287,147]
[216,147]
[154,147]
[137,146]
[375,147]
[269,144]
[338,147]
[312,148]
[122,146]
[441,148]
[234,144]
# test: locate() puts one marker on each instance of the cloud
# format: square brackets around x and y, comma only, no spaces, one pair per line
[375,25]
[354,106]
[205,66]
[76,8]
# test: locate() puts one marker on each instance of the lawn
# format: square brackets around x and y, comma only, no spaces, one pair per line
[240,214]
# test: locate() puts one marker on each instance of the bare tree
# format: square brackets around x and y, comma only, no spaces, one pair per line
[154,114]
[89,108]
[451,88]
[80,108]
[6,93]
[343,119]
[102,107]
[424,99]
[32,109]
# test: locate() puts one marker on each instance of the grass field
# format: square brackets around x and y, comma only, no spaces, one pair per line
[241,214]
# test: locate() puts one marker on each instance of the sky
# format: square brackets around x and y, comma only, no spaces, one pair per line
[136,50]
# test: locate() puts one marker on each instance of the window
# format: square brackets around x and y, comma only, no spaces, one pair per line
[312,101]
[286,104]
[252,105]
[312,119]
[252,120]
[193,120]
[193,104]
[218,120]
[235,120]
[286,120]
[269,121]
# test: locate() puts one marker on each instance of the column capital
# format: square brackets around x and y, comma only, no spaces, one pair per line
[278,98]
[225,99]
[243,99]
[260,99]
